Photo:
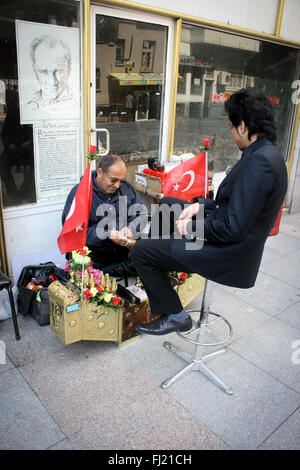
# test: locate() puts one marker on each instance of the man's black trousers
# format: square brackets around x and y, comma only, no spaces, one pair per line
[153,261]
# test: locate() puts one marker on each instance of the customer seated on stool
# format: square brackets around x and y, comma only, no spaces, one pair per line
[236,224]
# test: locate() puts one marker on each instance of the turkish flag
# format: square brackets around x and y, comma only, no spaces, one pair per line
[188,180]
[73,234]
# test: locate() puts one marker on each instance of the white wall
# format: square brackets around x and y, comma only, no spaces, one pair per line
[29,230]
[258,15]
[290,20]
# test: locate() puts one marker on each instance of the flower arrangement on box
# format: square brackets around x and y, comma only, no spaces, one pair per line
[94,286]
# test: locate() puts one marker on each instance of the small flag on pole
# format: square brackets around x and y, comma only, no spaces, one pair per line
[187,180]
[73,234]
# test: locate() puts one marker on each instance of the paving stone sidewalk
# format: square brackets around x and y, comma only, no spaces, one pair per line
[95,395]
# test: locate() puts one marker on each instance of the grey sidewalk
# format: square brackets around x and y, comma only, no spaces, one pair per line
[93,395]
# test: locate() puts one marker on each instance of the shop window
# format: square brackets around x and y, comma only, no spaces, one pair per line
[39,100]
[181,85]
[120,52]
[216,64]
[148,56]
[98,78]
[130,104]
[194,110]
[196,84]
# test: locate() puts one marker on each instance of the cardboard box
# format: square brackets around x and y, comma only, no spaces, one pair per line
[148,184]
[140,182]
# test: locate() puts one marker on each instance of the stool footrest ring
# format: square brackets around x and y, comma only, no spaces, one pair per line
[200,343]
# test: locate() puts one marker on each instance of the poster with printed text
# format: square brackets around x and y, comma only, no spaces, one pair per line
[57,158]
[49,72]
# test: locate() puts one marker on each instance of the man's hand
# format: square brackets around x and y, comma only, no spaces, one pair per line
[126,232]
[190,211]
[117,237]
[186,215]
[181,226]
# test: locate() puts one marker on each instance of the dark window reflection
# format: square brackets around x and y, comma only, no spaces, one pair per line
[17,162]
[16,140]
[212,66]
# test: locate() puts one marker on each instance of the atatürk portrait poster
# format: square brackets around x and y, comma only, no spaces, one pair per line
[49,72]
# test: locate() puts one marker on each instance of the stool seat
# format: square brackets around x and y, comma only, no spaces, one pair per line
[6,283]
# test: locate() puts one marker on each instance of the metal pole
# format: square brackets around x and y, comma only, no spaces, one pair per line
[3,252]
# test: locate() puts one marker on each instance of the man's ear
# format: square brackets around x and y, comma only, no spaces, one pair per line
[243,129]
[99,172]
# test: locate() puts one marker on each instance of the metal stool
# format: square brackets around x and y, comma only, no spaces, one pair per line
[196,362]
[5,283]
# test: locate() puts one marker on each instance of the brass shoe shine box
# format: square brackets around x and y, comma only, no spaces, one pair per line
[73,319]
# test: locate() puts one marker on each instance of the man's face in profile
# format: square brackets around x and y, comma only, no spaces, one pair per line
[52,71]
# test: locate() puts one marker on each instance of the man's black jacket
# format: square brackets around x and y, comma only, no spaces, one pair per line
[99,198]
[240,219]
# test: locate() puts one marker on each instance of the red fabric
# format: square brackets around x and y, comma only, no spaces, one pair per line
[187,180]
[275,229]
[73,234]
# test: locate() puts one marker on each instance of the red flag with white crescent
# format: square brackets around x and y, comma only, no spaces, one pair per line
[188,180]
[73,234]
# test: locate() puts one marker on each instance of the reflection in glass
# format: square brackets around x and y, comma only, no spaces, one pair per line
[16,140]
[130,73]
[212,66]
[17,162]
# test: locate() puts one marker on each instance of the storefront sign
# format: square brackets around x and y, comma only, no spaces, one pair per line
[57,157]
[194,61]
[274,99]
[219,97]
[138,79]
[222,97]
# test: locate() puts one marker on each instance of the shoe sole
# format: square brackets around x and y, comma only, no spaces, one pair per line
[164,333]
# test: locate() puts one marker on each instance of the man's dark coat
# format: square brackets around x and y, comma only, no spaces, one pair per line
[240,219]
[105,247]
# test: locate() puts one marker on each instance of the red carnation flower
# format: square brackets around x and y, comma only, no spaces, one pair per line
[93,149]
[99,289]
[183,276]
[206,142]
[116,300]
[87,294]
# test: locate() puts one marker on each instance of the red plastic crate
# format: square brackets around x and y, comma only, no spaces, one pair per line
[275,229]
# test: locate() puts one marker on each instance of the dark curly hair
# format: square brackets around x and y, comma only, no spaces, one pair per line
[255,109]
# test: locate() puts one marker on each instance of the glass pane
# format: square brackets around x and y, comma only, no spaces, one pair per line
[130,84]
[17,165]
[213,65]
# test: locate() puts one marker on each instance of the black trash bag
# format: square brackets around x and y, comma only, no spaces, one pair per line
[36,302]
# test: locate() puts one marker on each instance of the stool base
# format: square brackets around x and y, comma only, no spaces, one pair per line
[195,365]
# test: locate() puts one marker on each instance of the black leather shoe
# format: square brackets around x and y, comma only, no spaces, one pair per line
[165,325]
